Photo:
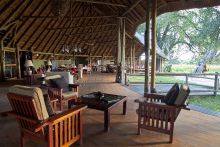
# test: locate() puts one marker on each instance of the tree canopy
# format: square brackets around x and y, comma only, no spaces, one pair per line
[196,31]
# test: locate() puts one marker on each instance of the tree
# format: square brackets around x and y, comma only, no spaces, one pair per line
[195,30]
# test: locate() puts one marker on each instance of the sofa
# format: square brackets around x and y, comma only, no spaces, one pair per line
[67,76]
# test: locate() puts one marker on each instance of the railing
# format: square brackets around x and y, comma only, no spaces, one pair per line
[208,80]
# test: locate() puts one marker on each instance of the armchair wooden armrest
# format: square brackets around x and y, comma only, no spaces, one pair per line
[59,117]
[162,105]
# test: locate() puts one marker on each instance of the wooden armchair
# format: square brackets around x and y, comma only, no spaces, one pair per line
[154,115]
[57,94]
[29,108]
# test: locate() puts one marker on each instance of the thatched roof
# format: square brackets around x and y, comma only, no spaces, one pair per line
[46,25]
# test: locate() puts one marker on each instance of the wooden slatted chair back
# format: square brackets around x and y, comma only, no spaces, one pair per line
[25,107]
[154,118]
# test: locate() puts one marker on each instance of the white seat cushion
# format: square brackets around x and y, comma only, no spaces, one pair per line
[69,94]
[37,94]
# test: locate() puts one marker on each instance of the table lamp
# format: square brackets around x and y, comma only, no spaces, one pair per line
[49,64]
[28,64]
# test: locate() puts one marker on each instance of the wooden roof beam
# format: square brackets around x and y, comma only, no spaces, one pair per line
[74,39]
[164,2]
[76,17]
[58,40]
[101,3]
[131,7]
[73,34]
[56,47]
[21,24]
[39,6]
[88,26]
[50,53]
[13,13]
[34,32]
[7,6]
[29,44]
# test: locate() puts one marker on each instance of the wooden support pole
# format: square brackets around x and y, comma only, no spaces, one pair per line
[123,50]
[153,32]
[147,46]
[134,50]
[18,68]
[216,84]
[118,53]
[131,59]
[120,76]
[2,59]
[119,42]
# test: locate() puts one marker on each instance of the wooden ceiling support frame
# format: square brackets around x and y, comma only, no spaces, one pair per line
[48,34]
[10,3]
[9,30]
[55,41]
[131,7]
[78,39]
[101,3]
[60,31]
[85,26]
[18,25]
[50,40]
[46,6]
[39,34]
[58,41]
[40,4]
[15,11]
[96,32]
[65,17]
[68,39]
[34,32]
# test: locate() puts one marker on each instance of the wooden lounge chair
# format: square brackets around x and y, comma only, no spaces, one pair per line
[29,108]
[59,94]
[157,116]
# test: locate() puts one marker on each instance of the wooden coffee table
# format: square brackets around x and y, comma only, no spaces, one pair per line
[95,102]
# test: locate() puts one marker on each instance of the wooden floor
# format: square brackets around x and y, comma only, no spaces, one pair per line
[191,128]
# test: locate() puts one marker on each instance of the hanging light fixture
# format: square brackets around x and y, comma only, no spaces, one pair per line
[60,7]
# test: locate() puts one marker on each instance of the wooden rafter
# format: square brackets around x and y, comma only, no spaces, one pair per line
[20,28]
[39,33]
[13,13]
[102,3]
[131,7]
[73,18]
[58,41]
[35,30]
[86,26]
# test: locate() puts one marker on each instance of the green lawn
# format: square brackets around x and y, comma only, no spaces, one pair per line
[159,79]
[186,68]
[210,102]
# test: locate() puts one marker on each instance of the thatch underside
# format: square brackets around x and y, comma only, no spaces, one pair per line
[44,27]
